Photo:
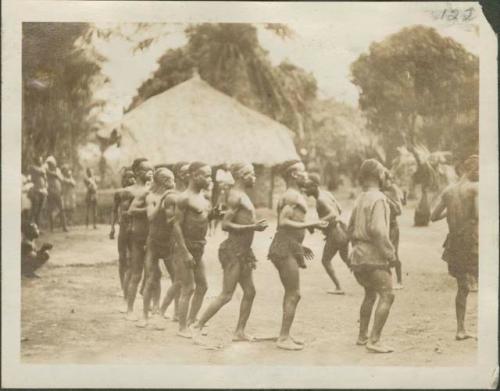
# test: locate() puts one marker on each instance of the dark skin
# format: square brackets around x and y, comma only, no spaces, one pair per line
[457,204]
[138,213]
[164,181]
[91,204]
[292,209]
[55,179]
[376,283]
[191,224]
[122,200]
[39,179]
[329,210]
[239,220]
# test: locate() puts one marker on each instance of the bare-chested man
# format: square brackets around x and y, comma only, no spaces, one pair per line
[459,204]
[91,197]
[121,202]
[143,173]
[235,253]
[54,196]
[190,230]
[181,174]
[396,200]
[38,193]
[159,243]
[286,250]
[335,234]
[372,254]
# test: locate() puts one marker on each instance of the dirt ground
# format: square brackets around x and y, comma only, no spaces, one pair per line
[71,315]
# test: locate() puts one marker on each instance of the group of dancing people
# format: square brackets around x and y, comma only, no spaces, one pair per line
[163,213]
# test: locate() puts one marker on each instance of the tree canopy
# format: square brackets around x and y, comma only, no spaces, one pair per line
[418,86]
[57,96]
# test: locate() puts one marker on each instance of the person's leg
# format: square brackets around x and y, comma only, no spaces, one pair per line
[135,276]
[289,276]
[365,314]
[328,253]
[151,278]
[230,278]
[122,257]
[186,277]
[170,266]
[381,282]
[199,292]
[94,213]
[50,212]
[87,210]
[246,283]
[62,215]
[461,305]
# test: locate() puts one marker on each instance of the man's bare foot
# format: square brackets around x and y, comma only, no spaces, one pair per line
[242,337]
[336,292]
[186,333]
[143,323]
[398,287]
[462,336]
[298,341]
[362,341]
[131,317]
[377,347]
[288,344]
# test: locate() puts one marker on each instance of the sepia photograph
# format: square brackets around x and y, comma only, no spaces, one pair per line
[226,191]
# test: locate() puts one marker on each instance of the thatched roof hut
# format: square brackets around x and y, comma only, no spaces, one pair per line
[193,121]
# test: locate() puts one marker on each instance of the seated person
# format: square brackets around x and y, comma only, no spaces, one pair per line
[31,258]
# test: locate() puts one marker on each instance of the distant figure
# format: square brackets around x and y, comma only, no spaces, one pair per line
[335,234]
[54,196]
[31,257]
[68,193]
[459,204]
[396,200]
[372,254]
[38,192]
[219,208]
[91,197]
[26,203]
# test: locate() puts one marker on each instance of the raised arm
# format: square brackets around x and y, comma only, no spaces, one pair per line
[234,204]
[138,205]
[285,220]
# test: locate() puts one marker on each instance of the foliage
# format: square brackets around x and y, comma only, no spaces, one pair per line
[57,79]
[416,86]
[229,57]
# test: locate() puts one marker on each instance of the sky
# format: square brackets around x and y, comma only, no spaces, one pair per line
[324,48]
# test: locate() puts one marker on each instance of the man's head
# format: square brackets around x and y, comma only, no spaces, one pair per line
[163,177]
[372,172]
[388,180]
[51,162]
[30,230]
[243,172]
[128,178]
[294,170]
[200,174]
[142,169]
[38,160]
[312,186]
[471,168]
[181,172]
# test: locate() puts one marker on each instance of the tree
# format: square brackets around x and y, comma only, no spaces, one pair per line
[417,86]
[229,57]
[57,97]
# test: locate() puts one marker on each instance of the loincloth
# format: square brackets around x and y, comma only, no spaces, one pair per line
[160,247]
[336,237]
[196,249]
[91,198]
[231,251]
[284,246]
[461,251]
